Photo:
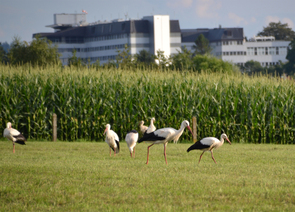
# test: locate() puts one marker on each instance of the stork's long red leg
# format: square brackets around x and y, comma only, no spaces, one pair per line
[212,156]
[201,157]
[13,148]
[110,151]
[165,152]
[148,153]
[134,152]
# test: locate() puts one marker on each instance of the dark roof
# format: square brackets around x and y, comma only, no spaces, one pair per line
[174,26]
[216,34]
[71,32]
[110,28]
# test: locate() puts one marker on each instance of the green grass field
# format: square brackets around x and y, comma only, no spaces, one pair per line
[81,176]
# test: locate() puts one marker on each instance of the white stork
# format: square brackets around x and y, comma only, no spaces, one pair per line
[208,144]
[142,127]
[163,136]
[131,140]
[152,127]
[112,139]
[14,135]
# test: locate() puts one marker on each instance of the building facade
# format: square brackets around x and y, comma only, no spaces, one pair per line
[102,40]
[229,44]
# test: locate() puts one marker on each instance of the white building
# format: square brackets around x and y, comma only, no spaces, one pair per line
[229,44]
[102,40]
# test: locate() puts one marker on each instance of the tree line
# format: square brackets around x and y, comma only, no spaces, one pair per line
[41,52]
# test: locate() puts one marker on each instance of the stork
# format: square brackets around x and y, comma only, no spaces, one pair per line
[152,127]
[163,136]
[142,127]
[208,144]
[112,139]
[131,140]
[14,135]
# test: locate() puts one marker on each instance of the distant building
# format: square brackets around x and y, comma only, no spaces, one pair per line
[229,44]
[101,40]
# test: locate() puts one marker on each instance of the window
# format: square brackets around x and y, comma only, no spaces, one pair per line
[250,51]
[266,51]
[261,51]
[272,50]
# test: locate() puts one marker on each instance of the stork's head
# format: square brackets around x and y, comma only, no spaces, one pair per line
[224,136]
[153,119]
[108,127]
[141,123]
[185,123]
[9,125]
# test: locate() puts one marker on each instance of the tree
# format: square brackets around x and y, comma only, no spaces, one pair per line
[124,58]
[74,60]
[290,65]
[40,52]
[5,46]
[182,60]
[3,55]
[252,67]
[278,30]
[144,57]
[211,64]
[202,45]
[162,60]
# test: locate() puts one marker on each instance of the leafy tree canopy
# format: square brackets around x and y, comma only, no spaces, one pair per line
[202,45]
[40,52]
[279,30]
[290,66]
[124,58]
[182,60]
[145,57]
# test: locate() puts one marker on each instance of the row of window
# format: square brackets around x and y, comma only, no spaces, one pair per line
[83,40]
[262,64]
[233,53]
[102,58]
[238,42]
[106,37]
[267,50]
[225,43]
[257,51]
[91,49]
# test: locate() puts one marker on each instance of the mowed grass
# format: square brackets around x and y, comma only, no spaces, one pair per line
[81,176]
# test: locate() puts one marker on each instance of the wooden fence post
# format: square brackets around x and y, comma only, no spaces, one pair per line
[194,129]
[54,127]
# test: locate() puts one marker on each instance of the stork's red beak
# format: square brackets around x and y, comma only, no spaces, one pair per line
[105,131]
[228,141]
[188,127]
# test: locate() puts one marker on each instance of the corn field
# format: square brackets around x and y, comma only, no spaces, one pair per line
[256,109]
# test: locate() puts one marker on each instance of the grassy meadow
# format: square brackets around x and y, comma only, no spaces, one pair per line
[81,176]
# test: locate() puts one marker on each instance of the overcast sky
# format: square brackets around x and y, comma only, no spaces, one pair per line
[22,18]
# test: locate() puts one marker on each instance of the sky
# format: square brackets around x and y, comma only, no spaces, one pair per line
[23,18]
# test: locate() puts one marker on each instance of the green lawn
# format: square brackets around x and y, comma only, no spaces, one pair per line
[81,176]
